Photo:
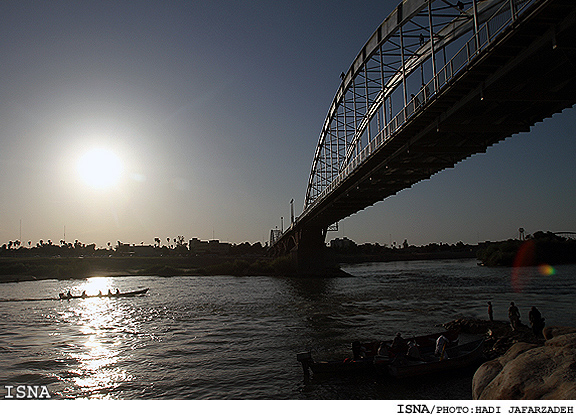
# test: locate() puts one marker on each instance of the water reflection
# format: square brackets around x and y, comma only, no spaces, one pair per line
[94,285]
[98,351]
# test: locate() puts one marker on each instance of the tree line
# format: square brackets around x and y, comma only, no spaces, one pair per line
[168,246]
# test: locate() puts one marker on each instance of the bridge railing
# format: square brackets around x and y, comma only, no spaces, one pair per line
[486,34]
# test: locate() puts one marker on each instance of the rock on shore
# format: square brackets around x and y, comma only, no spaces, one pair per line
[531,370]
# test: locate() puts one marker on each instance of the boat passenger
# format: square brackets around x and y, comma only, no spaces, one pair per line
[69,295]
[99,293]
[117,291]
[399,345]
[62,296]
[84,295]
[441,344]
[413,352]
[110,292]
[383,350]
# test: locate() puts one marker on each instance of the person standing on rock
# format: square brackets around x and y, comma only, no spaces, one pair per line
[490,311]
[514,316]
[536,321]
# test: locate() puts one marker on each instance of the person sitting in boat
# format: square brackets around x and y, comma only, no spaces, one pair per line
[84,295]
[117,291]
[62,296]
[413,352]
[110,292]
[399,345]
[99,293]
[441,345]
[69,295]
[384,349]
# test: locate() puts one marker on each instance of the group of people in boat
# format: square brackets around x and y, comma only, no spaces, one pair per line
[402,348]
[69,295]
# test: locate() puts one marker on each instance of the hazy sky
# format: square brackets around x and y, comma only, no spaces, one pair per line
[214,109]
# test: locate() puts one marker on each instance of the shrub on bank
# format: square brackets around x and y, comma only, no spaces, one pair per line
[541,248]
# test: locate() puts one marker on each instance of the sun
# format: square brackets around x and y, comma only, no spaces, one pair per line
[100,168]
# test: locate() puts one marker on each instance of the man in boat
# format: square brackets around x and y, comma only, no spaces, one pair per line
[69,295]
[399,345]
[514,316]
[117,291]
[413,352]
[110,292]
[84,295]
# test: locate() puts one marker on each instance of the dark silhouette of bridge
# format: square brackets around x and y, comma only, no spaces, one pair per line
[438,81]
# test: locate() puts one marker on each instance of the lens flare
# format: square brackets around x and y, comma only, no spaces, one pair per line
[525,266]
[547,270]
[522,271]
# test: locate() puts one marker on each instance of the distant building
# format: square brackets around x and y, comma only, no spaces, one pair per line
[135,250]
[211,247]
[343,243]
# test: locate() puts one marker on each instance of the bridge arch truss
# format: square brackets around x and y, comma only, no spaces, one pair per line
[409,60]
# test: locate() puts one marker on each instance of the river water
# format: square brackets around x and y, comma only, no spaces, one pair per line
[223,337]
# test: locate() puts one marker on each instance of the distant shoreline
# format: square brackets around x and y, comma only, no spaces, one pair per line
[545,248]
[36,269]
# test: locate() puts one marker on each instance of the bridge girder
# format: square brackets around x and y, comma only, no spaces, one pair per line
[511,67]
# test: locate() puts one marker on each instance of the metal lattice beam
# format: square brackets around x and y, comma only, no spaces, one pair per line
[414,53]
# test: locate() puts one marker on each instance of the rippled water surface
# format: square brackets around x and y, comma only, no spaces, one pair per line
[236,337]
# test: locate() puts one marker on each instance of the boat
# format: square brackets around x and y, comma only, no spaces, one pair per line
[347,366]
[107,295]
[455,357]
[366,359]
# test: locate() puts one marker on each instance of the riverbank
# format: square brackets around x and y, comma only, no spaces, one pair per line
[540,248]
[521,365]
[15,269]
[39,268]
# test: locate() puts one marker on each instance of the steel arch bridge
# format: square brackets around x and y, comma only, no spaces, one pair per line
[438,81]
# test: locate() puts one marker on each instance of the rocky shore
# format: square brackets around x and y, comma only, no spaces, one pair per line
[522,365]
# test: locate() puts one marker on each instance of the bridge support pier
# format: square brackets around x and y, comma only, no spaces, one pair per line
[311,256]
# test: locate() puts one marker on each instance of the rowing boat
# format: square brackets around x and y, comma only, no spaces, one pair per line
[366,358]
[456,357]
[108,295]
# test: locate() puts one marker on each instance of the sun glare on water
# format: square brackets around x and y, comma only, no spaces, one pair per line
[100,168]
